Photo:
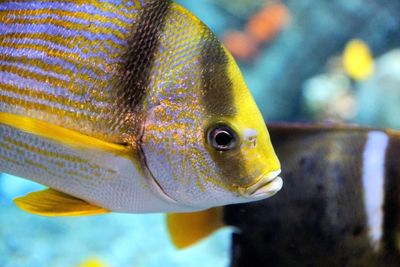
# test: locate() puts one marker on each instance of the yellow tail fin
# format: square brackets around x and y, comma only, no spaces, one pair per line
[185,229]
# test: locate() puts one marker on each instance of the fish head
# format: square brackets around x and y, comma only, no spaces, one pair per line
[201,159]
[239,145]
[205,142]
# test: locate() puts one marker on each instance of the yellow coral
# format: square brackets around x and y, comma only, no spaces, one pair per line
[357,60]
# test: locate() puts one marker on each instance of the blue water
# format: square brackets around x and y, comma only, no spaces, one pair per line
[116,239]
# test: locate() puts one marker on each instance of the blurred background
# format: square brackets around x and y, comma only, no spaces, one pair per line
[314,61]
[303,60]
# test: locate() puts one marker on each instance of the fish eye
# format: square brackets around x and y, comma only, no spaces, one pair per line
[222,138]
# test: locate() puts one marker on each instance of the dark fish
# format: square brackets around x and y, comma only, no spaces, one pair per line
[340,205]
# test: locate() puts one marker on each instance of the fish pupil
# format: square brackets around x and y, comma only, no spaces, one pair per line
[222,138]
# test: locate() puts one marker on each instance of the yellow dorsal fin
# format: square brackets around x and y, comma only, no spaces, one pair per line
[185,229]
[61,135]
[50,202]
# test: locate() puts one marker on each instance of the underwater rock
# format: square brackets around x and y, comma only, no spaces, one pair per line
[339,205]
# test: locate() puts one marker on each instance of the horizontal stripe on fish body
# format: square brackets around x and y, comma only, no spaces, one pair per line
[38,79]
[57,100]
[65,24]
[57,66]
[84,49]
[121,11]
[55,31]
[47,161]
[25,73]
[68,41]
[84,61]
[83,56]
[74,17]
[34,69]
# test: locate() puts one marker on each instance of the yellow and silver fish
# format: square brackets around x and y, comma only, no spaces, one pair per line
[126,106]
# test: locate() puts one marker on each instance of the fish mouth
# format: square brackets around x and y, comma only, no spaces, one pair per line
[266,186]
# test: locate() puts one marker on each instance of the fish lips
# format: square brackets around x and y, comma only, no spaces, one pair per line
[266,186]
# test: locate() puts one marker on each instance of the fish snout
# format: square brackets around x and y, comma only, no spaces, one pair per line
[266,186]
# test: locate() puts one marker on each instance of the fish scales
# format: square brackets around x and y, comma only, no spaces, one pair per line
[32,157]
[198,82]
[142,49]
[102,178]
[178,94]
[59,59]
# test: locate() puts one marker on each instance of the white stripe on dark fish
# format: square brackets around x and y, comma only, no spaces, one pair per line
[373,177]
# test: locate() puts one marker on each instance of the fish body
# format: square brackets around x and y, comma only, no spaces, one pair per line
[131,106]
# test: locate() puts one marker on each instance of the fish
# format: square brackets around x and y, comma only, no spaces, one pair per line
[358,61]
[339,205]
[126,106]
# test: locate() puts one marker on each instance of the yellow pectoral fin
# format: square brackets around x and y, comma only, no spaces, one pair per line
[60,134]
[185,229]
[50,202]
